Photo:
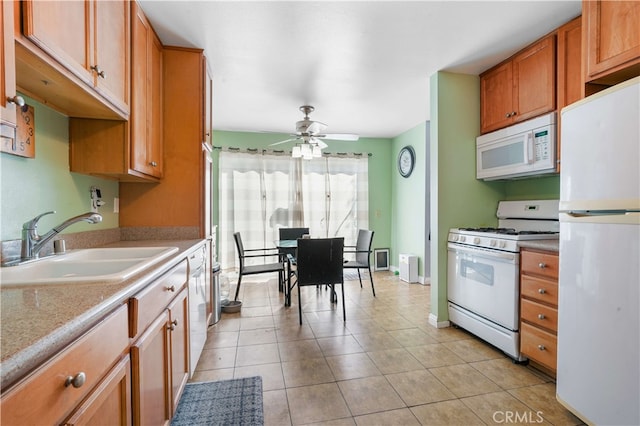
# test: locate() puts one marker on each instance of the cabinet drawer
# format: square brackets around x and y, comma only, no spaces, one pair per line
[43,397]
[538,345]
[538,314]
[545,264]
[540,289]
[145,306]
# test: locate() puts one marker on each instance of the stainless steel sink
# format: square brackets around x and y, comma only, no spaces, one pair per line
[88,265]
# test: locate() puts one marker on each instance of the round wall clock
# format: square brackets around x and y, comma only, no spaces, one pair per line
[406,161]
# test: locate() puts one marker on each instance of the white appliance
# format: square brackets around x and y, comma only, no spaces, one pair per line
[483,286]
[409,268]
[598,376]
[524,149]
[197,306]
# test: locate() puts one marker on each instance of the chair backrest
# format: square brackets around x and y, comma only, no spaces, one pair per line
[365,239]
[240,247]
[320,260]
[291,234]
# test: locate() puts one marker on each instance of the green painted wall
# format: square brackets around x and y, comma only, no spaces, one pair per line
[33,186]
[380,184]
[408,204]
[542,188]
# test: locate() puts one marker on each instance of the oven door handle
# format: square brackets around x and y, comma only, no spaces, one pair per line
[486,254]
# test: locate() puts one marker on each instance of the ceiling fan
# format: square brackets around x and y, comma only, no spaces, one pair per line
[309,133]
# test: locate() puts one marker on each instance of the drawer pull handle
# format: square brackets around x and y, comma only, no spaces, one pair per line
[173,325]
[542,265]
[76,381]
[541,316]
[172,288]
[541,347]
[98,71]
[542,291]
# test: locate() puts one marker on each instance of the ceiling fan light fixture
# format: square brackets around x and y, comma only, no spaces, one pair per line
[296,152]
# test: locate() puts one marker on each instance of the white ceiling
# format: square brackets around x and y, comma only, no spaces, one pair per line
[364,65]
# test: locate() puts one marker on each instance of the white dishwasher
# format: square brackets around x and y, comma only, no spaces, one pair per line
[197,306]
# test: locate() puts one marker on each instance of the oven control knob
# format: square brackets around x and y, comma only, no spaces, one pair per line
[493,243]
[476,240]
[454,237]
[503,244]
[462,238]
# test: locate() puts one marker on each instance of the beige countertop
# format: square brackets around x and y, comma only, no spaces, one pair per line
[548,245]
[37,321]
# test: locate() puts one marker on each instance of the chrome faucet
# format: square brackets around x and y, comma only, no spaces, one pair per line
[32,243]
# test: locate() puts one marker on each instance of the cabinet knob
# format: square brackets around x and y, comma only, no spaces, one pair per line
[542,265]
[172,288]
[541,347]
[98,71]
[542,291]
[507,115]
[173,324]
[541,316]
[18,100]
[153,164]
[76,381]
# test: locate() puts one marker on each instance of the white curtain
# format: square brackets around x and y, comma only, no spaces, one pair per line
[260,193]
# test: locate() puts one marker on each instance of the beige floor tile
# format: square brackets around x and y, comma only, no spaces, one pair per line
[299,349]
[472,350]
[464,380]
[419,387]
[316,403]
[328,329]
[502,408]
[339,345]
[361,326]
[347,421]
[542,398]
[412,337]
[252,323]
[257,311]
[369,395]
[287,333]
[228,322]
[305,372]
[377,341]
[257,354]
[507,374]
[221,339]
[435,355]
[394,361]
[275,408]
[448,334]
[402,416]
[256,337]
[446,413]
[393,322]
[352,366]
[212,375]
[271,374]
[212,359]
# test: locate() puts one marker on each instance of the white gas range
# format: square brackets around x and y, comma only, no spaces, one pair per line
[483,270]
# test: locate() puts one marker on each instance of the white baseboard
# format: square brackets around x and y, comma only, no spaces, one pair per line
[433,320]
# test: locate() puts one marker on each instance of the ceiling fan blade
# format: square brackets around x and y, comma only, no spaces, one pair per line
[316,127]
[340,136]
[284,141]
[318,142]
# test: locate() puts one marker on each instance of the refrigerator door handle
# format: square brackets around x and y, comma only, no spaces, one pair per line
[622,217]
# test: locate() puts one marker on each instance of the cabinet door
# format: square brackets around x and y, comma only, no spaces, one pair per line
[179,317]
[111,55]
[151,387]
[7,67]
[612,37]
[146,94]
[534,79]
[110,402]
[570,82]
[63,30]
[496,98]
[208,103]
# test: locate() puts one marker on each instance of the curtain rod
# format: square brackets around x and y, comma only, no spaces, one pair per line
[284,152]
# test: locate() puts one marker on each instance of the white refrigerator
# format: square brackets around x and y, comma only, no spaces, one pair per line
[598,375]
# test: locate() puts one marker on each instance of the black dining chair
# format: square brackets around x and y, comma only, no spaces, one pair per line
[278,266]
[289,254]
[362,250]
[319,261]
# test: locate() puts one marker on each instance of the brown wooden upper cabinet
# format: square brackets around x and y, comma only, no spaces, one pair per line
[611,35]
[89,38]
[520,88]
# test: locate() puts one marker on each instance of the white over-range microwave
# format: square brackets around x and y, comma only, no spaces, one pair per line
[524,149]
